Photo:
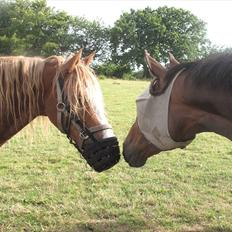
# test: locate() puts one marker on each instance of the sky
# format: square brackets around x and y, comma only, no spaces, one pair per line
[216,13]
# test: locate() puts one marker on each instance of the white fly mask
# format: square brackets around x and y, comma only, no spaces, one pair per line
[152,117]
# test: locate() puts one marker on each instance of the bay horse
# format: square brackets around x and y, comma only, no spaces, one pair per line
[68,93]
[181,101]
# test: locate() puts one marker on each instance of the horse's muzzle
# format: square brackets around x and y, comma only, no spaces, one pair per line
[103,154]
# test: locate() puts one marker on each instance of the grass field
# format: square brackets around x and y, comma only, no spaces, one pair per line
[46,186]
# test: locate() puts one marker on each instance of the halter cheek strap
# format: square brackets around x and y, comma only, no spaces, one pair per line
[60,106]
[65,119]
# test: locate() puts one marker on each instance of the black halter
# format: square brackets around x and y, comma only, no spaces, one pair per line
[100,154]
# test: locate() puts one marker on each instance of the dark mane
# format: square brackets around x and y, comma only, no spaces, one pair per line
[214,71]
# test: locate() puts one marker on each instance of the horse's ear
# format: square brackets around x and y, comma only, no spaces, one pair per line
[172,60]
[158,72]
[70,65]
[89,59]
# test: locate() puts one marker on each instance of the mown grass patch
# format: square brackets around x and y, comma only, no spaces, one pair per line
[46,186]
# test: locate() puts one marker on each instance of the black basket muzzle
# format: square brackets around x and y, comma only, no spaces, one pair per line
[102,154]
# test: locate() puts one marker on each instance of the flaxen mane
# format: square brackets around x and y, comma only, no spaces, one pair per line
[21,86]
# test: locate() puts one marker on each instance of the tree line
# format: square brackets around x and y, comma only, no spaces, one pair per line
[32,28]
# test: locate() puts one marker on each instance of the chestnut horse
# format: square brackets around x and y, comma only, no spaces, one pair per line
[68,93]
[182,101]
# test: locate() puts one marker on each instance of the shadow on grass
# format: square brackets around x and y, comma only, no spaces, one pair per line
[104,226]
[125,227]
[208,229]
[218,229]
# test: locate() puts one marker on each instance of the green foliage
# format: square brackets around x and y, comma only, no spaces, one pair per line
[91,35]
[184,34]
[33,28]
[49,48]
[102,77]
[139,74]
[214,49]
[128,76]
[113,70]
[158,31]
[12,45]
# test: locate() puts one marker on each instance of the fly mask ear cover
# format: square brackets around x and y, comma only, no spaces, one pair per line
[152,116]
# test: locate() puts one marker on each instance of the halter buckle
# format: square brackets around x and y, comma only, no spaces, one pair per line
[83,135]
[60,107]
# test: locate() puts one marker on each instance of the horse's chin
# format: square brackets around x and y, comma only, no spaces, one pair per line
[134,161]
[137,164]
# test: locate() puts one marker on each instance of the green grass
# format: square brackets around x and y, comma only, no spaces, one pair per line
[46,186]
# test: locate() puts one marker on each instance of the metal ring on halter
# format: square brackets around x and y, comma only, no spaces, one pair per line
[83,135]
[60,107]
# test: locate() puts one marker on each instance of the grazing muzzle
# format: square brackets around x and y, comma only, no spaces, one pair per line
[100,154]
[103,154]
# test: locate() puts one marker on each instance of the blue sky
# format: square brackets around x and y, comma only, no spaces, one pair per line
[217,14]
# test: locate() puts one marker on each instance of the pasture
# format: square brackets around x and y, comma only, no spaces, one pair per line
[46,186]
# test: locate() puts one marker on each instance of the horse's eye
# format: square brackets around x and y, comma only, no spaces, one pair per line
[153,86]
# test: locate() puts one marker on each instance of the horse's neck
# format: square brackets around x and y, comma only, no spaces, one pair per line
[9,127]
[201,110]
[11,124]
[216,108]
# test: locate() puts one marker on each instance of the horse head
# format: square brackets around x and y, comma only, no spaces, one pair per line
[149,135]
[182,100]
[76,108]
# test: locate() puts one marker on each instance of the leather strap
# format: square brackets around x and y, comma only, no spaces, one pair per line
[64,116]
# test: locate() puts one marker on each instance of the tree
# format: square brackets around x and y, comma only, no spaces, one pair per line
[215,49]
[92,36]
[9,42]
[32,28]
[158,31]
